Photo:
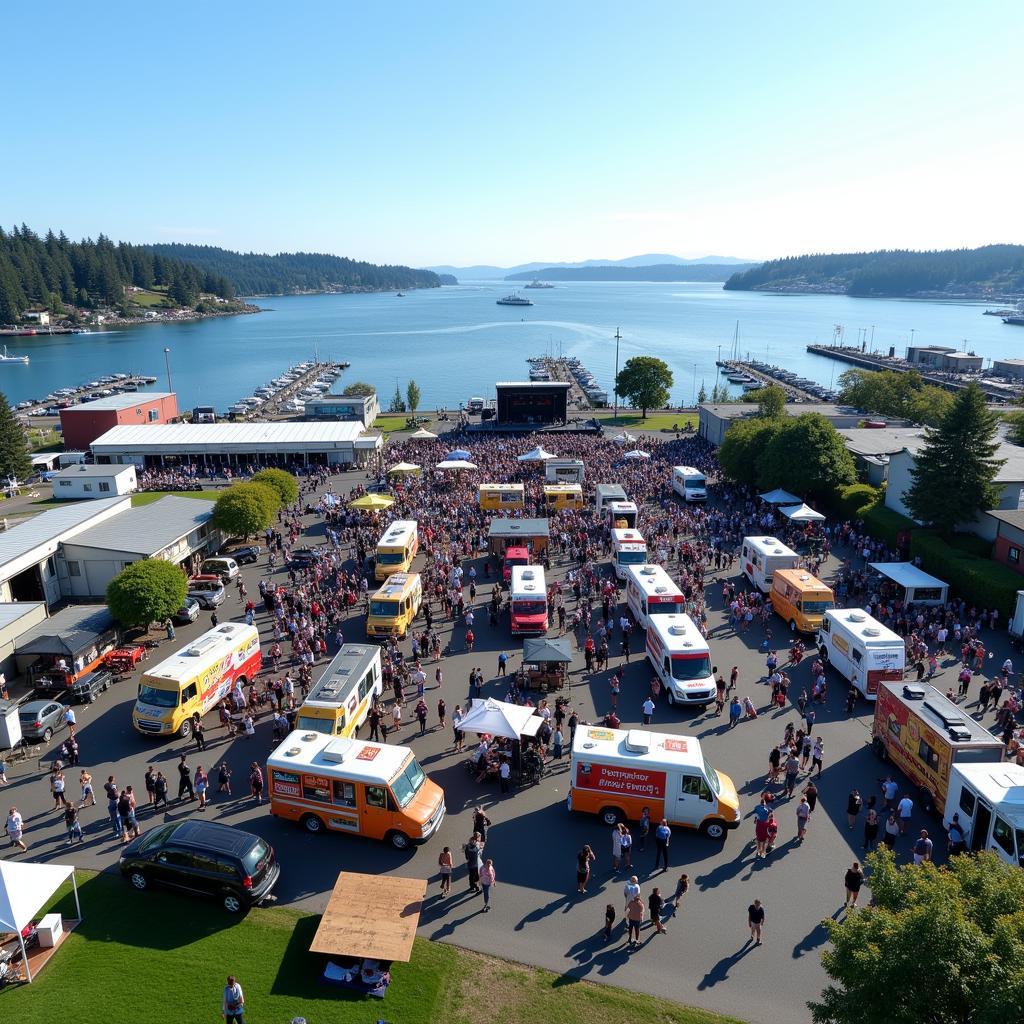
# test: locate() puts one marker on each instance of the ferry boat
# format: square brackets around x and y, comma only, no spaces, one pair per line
[1017,321]
[8,358]
[537,283]
[514,300]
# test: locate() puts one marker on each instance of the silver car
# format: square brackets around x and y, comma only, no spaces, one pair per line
[40,719]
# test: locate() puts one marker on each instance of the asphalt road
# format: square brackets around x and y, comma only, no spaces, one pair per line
[705,959]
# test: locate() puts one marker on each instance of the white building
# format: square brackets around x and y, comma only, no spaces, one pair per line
[82,481]
[16,618]
[362,409]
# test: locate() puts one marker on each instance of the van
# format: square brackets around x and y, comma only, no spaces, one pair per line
[761,556]
[616,773]
[862,650]
[513,556]
[681,657]
[564,471]
[650,591]
[605,493]
[377,790]
[689,483]
[628,549]
[559,496]
[397,548]
[988,800]
[528,601]
[800,599]
[342,697]
[225,568]
[497,497]
[475,405]
[395,605]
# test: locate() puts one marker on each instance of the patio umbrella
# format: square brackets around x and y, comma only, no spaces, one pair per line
[498,718]
[459,454]
[402,468]
[423,435]
[623,438]
[372,502]
[455,464]
[536,455]
[542,651]
[636,454]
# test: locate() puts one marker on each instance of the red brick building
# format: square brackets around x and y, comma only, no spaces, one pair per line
[1008,546]
[82,424]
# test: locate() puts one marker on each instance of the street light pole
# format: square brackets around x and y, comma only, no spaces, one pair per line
[167,363]
[618,338]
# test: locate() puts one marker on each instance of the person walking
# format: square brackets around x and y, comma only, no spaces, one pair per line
[617,846]
[817,755]
[682,888]
[57,785]
[662,839]
[224,778]
[811,792]
[472,851]
[792,770]
[445,868]
[655,904]
[488,877]
[85,781]
[160,791]
[185,779]
[891,830]
[110,788]
[853,806]
[256,782]
[871,824]
[922,847]
[584,859]
[609,921]
[15,828]
[72,824]
[648,710]
[735,712]
[201,782]
[755,920]
[233,1002]
[904,809]
[629,890]
[853,881]
[626,846]
[803,818]
[634,919]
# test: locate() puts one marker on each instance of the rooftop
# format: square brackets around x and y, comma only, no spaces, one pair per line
[533,384]
[198,435]
[124,401]
[87,470]
[883,441]
[1011,516]
[147,529]
[734,410]
[67,632]
[11,611]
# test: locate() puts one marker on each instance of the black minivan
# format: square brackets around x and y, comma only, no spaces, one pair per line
[206,858]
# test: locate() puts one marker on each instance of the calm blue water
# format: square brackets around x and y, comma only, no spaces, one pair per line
[455,342]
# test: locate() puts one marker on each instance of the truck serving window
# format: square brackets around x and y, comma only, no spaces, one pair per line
[1002,834]
[967,802]
[927,755]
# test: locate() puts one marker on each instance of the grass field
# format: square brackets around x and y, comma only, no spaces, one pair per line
[148,299]
[163,958]
[654,421]
[148,497]
[388,424]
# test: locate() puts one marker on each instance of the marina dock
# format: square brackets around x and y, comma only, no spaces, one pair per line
[762,374]
[286,396]
[104,387]
[584,390]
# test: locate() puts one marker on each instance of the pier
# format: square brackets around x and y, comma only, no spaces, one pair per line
[584,391]
[286,395]
[103,388]
[766,374]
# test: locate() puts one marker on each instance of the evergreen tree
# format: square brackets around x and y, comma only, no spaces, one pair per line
[397,402]
[702,395]
[953,473]
[15,460]
[412,396]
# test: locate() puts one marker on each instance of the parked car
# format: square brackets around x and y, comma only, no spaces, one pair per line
[225,568]
[187,613]
[205,858]
[247,555]
[302,557]
[207,590]
[85,688]
[40,719]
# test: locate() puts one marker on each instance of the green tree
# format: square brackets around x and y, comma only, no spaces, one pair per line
[644,382]
[743,445]
[412,396]
[1014,426]
[702,395]
[937,946]
[15,460]
[284,483]
[771,401]
[397,401]
[954,472]
[244,509]
[806,456]
[150,590]
[359,389]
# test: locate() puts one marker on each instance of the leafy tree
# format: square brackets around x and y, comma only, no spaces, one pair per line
[359,389]
[644,382]
[702,395]
[397,402]
[15,460]
[412,396]
[743,445]
[150,590]
[246,508]
[1014,426]
[953,475]
[284,483]
[807,456]
[938,946]
[891,393]
[771,401]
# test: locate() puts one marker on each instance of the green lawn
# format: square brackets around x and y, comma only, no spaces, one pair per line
[654,421]
[148,299]
[387,424]
[163,958]
[148,497]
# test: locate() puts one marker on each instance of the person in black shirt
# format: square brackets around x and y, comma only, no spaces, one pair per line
[755,918]
[185,779]
[655,903]
[853,881]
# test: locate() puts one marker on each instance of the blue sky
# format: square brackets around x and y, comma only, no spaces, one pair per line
[501,133]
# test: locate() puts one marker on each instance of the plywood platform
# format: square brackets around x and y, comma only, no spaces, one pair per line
[40,956]
[371,916]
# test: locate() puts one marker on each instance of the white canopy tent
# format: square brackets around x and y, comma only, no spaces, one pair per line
[780,497]
[623,438]
[918,586]
[455,464]
[24,888]
[498,718]
[536,455]
[423,435]
[636,454]
[403,468]
[802,514]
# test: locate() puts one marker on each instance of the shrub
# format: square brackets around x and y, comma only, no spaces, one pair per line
[978,580]
[854,500]
[244,509]
[283,482]
[885,524]
[146,591]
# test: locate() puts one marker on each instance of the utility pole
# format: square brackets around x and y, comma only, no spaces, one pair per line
[167,364]
[618,338]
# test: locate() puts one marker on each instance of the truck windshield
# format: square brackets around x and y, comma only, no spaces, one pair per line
[632,557]
[529,607]
[386,609]
[713,780]
[691,667]
[664,608]
[307,724]
[817,607]
[158,698]
[390,557]
[405,786]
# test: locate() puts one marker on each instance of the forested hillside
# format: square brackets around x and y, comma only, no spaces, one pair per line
[288,272]
[55,272]
[655,272]
[992,270]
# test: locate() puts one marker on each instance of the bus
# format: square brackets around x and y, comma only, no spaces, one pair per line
[628,549]
[650,591]
[689,483]
[682,659]
[397,548]
[559,496]
[377,790]
[800,599]
[761,556]
[341,699]
[196,678]
[498,497]
[528,600]
[395,605]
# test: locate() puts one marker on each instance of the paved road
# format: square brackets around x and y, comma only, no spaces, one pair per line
[537,917]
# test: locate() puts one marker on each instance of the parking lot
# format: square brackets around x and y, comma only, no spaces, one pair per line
[537,916]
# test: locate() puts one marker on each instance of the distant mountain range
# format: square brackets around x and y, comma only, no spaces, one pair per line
[655,272]
[486,272]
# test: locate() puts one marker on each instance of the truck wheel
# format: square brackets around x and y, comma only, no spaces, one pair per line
[669,696]
[879,748]
[611,816]
[399,840]
[185,729]
[312,824]
[713,829]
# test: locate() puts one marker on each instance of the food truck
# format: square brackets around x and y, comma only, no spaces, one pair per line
[616,773]
[761,556]
[925,734]
[680,656]
[376,790]
[394,606]
[988,800]
[532,534]
[650,591]
[342,697]
[528,601]
[513,556]
[689,483]
[861,649]
[628,549]
[800,599]
[564,471]
[397,548]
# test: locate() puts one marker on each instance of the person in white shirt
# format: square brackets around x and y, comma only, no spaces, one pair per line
[233,1004]
[904,809]
[648,710]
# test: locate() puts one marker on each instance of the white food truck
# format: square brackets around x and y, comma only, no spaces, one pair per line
[682,659]
[989,802]
[861,649]
[689,483]
[761,556]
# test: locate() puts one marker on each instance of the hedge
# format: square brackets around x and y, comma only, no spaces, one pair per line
[979,581]
[853,500]
[885,524]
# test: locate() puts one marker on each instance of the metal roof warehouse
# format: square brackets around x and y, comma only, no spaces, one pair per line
[233,443]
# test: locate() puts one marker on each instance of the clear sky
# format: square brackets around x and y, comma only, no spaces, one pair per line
[478,132]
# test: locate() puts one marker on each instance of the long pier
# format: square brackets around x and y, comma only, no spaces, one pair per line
[739,366]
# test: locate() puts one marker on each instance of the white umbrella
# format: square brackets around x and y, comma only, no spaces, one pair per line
[636,454]
[455,464]
[498,718]
[423,435]
[536,455]
[623,438]
[802,514]
[403,467]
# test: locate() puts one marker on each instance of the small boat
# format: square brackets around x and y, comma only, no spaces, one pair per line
[514,300]
[8,358]
[400,295]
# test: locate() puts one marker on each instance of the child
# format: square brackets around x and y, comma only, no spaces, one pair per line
[682,887]
[609,922]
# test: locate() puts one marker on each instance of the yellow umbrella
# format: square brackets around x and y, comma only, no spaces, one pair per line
[372,502]
[403,468]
